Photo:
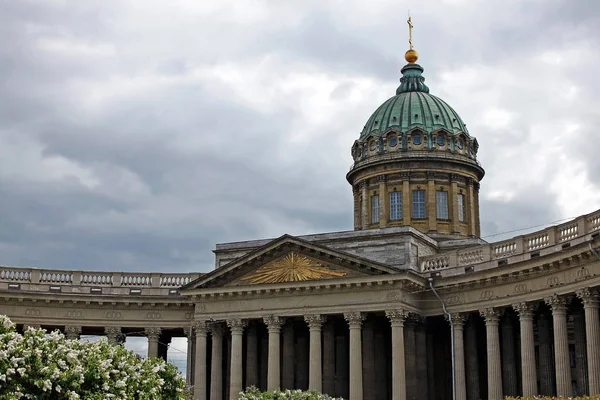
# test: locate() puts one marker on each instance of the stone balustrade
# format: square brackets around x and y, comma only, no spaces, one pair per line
[92,282]
[519,248]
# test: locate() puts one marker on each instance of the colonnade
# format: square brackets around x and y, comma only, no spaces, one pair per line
[504,357]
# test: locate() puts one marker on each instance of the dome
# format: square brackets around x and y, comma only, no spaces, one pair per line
[413,107]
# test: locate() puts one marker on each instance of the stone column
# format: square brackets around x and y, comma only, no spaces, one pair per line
[406,198]
[200,361]
[494,363]
[216,362]
[252,356]
[581,371]
[546,356]
[113,334]
[470,207]
[431,206]
[329,358]
[72,332]
[383,201]
[453,200]
[315,374]
[561,345]
[472,361]
[397,318]
[422,365]
[528,370]
[410,358]
[152,334]
[364,212]
[591,303]
[236,375]
[191,351]
[355,320]
[274,323]
[460,381]
[509,363]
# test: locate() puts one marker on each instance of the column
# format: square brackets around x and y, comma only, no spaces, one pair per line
[364,211]
[453,200]
[561,345]
[191,351]
[329,358]
[509,364]
[72,332]
[355,320]
[406,198]
[460,382]
[357,207]
[470,208]
[422,365]
[200,361]
[591,304]
[528,370]
[546,356]
[494,363]
[315,375]
[581,372]
[397,318]
[236,379]
[410,358]
[152,335]
[383,201]
[472,360]
[252,356]
[431,201]
[216,362]
[274,369]
[113,334]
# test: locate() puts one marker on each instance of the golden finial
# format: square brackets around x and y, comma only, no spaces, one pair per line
[411,55]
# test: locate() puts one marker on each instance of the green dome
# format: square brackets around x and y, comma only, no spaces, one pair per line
[413,107]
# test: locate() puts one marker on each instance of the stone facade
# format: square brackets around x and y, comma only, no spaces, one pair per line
[524,314]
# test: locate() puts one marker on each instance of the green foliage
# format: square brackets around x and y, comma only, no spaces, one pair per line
[253,393]
[50,367]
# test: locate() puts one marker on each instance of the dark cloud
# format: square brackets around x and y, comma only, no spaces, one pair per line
[135,136]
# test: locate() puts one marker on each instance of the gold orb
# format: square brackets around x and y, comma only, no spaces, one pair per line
[411,56]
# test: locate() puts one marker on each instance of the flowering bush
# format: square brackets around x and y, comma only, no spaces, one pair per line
[253,393]
[49,367]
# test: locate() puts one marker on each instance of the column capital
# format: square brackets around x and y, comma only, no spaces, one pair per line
[189,332]
[430,175]
[363,184]
[405,176]
[525,309]
[397,316]
[381,178]
[236,325]
[113,334]
[589,297]
[273,322]
[557,303]
[315,321]
[200,327]
[457,320]
[72,331]
[490,315]
[216,329]
[354,319]
[152,333]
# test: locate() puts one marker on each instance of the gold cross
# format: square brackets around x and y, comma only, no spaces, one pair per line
[410,28]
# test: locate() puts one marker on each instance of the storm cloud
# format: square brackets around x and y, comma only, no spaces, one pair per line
[135,135]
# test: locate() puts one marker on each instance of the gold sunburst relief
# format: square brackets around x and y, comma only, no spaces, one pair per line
[291,268]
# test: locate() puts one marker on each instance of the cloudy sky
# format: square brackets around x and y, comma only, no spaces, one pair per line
[137,134]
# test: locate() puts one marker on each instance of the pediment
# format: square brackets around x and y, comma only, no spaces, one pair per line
[287,260]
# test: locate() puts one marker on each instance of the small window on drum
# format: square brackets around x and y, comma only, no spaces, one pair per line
[417,139]
[441,141]
[373,145]
[459,144]
[393,141]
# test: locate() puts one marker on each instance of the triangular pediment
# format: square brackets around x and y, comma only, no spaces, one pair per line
[286,260]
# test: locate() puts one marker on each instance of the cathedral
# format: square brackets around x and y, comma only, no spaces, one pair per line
[410,304]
